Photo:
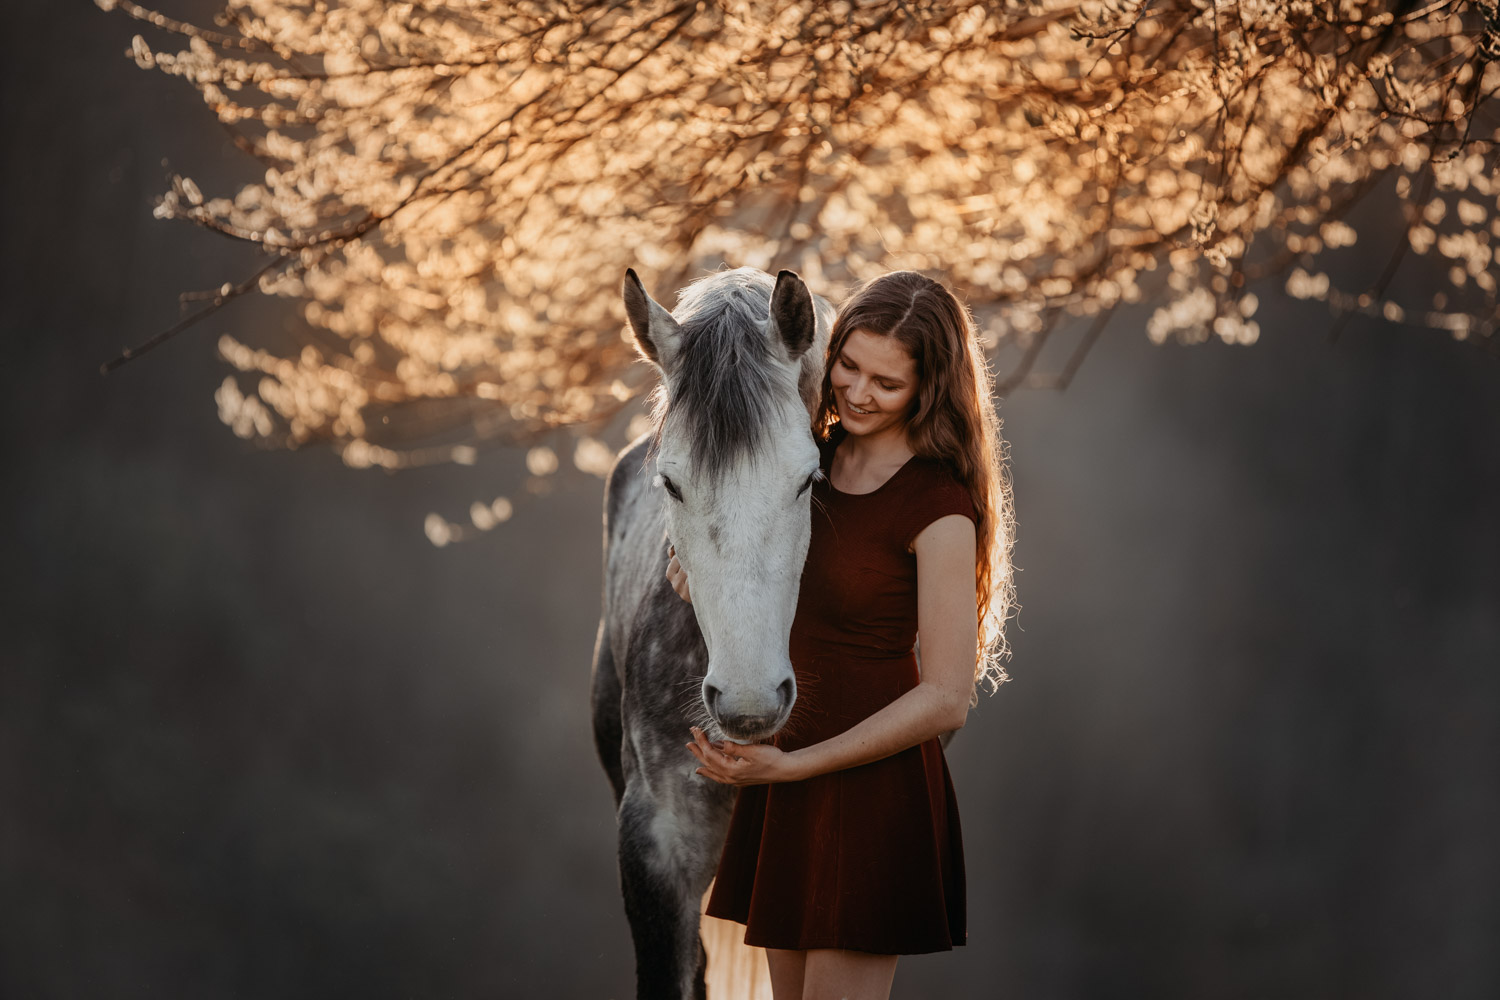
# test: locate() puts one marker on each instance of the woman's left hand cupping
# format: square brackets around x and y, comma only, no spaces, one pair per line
[740,764]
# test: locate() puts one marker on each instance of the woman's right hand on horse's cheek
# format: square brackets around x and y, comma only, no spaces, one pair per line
[677,576]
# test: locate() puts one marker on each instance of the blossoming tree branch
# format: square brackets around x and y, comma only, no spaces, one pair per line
[452,188]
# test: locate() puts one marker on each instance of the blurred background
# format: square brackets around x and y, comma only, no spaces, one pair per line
[260,737]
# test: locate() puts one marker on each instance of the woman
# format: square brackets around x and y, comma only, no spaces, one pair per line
[844,850]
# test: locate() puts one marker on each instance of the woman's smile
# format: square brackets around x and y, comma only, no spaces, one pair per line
[874,381]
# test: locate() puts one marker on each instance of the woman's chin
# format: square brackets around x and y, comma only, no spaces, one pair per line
[863,425]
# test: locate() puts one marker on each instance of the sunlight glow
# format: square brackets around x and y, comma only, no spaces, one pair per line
[453,190]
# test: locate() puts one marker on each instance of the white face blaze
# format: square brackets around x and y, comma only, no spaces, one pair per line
[743,538]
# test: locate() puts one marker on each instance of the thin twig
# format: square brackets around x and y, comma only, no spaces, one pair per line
[224,296]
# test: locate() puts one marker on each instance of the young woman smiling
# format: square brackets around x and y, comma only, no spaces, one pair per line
[844,850]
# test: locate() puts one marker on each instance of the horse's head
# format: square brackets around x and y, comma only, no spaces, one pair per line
[735,460]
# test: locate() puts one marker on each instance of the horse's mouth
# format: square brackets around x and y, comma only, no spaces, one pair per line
[752,732]
[759,736]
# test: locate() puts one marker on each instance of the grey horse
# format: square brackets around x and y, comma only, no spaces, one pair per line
[725,477]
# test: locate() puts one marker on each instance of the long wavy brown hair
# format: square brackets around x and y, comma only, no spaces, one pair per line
[952,419]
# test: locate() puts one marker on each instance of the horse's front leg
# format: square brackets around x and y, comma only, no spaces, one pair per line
[672,826]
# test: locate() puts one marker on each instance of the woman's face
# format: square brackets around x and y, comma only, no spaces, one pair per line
[874,382]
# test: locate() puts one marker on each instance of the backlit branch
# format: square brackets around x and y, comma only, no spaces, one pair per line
[452,190]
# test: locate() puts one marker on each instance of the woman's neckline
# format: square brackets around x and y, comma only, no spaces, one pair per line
[838,438]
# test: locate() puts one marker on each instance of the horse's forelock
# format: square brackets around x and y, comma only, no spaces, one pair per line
[725,380]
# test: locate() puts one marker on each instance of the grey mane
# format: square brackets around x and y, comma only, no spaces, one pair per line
[727,379]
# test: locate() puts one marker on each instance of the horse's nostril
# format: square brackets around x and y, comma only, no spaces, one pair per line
[787,691]
[711,697]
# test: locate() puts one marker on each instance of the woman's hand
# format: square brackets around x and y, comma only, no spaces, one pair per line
[676,575]
[742,764]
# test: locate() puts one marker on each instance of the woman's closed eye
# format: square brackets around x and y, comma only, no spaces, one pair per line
[883,385]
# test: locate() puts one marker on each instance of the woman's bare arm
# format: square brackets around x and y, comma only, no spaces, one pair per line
[947,626]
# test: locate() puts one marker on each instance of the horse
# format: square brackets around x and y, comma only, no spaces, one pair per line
[725,476]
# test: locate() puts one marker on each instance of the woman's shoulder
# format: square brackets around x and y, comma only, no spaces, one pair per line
[936,472]
[933,490]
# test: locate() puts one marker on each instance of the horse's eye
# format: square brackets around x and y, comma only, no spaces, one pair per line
[671,489]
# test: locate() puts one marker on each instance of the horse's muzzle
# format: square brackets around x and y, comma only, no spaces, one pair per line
[742,722]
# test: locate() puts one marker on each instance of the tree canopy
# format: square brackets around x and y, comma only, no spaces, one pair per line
[452,189]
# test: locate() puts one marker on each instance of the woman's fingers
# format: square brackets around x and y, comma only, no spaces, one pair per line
[740,764]
[696,747]
[718,765]
[707,765]
[700,740]
[677,576]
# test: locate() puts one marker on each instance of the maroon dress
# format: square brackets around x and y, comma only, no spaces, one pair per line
[868,858]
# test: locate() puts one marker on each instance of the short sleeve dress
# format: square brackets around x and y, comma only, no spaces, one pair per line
[869,858]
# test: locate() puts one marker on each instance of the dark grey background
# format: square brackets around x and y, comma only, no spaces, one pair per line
[259,738]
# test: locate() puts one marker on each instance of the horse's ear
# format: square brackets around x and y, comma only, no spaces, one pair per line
[792,317]
[657,333]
